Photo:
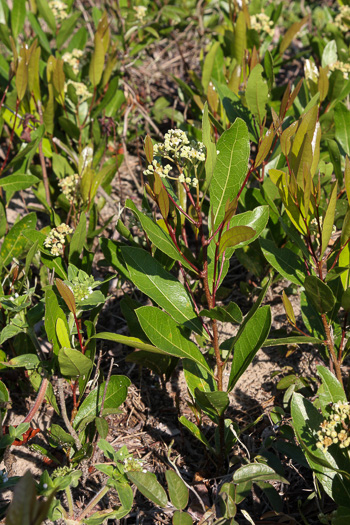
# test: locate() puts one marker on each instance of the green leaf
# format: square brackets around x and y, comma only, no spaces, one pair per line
[197,377]
[341,516]
[148,147]
[134,342]
[328,221]
[210,147]
[226,314]
[78,240]
[332,391]
[17,182]
[66,29]
[157,235]
[158,363]
[177,489]
[286,262]
[342,126]
[288,308]
[212,403]
[182,518]
[26,508]
[15,244]
[116,393]
[195,431]
[10,331]
[47,14]
[208,66]
[73,363]
[151,278]
[319,294]
[166,335]
[101,427]
[237,236]
[61,435]
[240,37]
[97,61]
[148,485]
[329,55]
[256,219]
[256,472]
[62,333]
[257,93]
[35,25]
[306,422]
[29,150]
[18,16]
[251,339]
[230,169]
[291,33]
[298,340]
[54,263]
[28,361]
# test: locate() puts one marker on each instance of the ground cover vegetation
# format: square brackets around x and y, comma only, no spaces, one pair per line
[120,188]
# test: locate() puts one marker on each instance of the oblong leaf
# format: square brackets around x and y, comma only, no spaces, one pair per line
[178,491]
[256,472]
[73,363]
[230,168]
[116,393]
[319,294]
[165,334]
[235,237]
[151,278]
[148,485]
[286,262]
[251,339]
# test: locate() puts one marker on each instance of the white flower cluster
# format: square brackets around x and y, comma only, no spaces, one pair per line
[155,167]
[59,9]
[55,241]
[69,186]
[261,22]
[13,297]
[73,59]
[181,151]
[133,464]
[140,12]
[335,429]
[177,145]
[81,90]
[188,180]
[342,20]
[342,66]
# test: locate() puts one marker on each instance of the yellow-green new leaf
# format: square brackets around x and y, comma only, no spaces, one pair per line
[347,178]
[291,33]
[240,40]
[257,93]
[97,61]
[33,73]
[345,232]
[22,74]
[265,146]
[234,236]
[328,221]
[149,149]
[62,334]
[288,308]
